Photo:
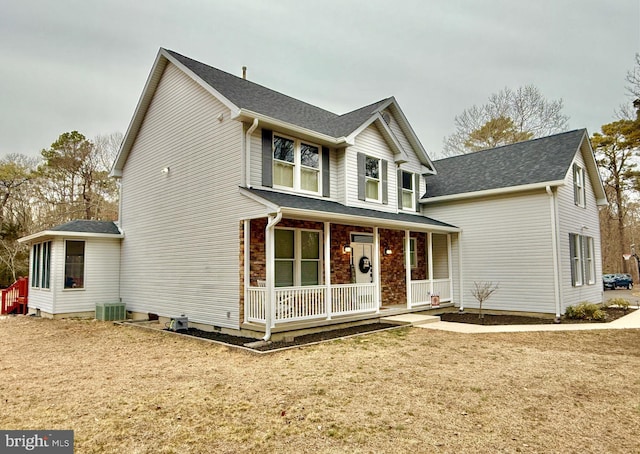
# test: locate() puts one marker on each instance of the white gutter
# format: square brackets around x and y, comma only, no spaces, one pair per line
[289,127]
[491,192]
[247,153]
[460,272]
[554,241]
[368,221]
[270,287]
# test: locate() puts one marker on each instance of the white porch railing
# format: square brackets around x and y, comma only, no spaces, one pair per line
[353,298]
[308,302]
[421,291]
[300,303]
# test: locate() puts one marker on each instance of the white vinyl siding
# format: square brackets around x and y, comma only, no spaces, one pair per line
[505,240]
[181,251]
[101,278]
[573,219]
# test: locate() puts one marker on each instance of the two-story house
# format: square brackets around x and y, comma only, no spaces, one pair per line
[252,212]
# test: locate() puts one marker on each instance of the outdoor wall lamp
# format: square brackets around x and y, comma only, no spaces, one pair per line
[165,170]
[346,249]
[388,250]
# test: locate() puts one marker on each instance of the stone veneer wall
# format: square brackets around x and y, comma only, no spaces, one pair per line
[393,278]
[419,273]
[341,272]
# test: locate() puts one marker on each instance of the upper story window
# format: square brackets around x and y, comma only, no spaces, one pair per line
[579,193]
[373,182]
[408,191]
[296,164]
[372,177]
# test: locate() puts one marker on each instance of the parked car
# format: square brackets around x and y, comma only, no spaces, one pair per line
[618,280]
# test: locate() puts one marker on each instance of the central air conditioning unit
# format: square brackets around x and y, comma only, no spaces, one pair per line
[111,311]
[179,323]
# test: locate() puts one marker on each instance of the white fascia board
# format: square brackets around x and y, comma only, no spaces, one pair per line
[491,192]
[413,138]
[227,103]
[70,234]
[592,168]
[364,220]
[386,132]
[141,108]
[271,207]
[162,58]
[289,127]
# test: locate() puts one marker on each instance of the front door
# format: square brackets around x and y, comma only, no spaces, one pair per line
[363,262]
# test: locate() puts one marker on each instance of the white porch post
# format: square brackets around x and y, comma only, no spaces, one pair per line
[407,265]
[247,265]
[430,261]
[327,268]
[376,261]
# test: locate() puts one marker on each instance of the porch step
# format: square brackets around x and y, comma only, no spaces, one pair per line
[410,319]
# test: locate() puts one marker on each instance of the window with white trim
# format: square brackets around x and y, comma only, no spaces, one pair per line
[583,266]
[579,193]
[74,264]
[298,255]
[41,265]
[590,263]
[413,253]
[296,164]
[408,191]
[372,178]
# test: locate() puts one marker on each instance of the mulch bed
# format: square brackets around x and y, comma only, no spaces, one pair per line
[613,313]
[297,341]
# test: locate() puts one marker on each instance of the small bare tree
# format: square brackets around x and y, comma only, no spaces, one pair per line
[481,292]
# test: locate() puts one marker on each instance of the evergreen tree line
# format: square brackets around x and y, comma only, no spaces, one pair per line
[69,180]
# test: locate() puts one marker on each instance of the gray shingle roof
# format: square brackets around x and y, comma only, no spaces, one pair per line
[86,226]
[530,162]
[326,206]
[256,98]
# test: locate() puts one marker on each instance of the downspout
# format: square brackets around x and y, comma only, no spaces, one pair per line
[247,153]
[270,287]
[554,240]
[460,273]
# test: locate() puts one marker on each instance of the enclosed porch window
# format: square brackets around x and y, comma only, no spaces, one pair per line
[297,257]
[74,264]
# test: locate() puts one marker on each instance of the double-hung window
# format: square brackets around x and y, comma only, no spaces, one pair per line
[296,164]
[372,178]
[41,265]
[297,257]
[579,193]
[408,191]
[583,265]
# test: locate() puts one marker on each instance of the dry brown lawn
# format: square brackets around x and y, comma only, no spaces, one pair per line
[128,390]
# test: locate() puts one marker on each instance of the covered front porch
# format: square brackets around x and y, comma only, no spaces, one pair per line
[305,271]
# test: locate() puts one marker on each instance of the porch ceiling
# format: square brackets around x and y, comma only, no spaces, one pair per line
[292,205]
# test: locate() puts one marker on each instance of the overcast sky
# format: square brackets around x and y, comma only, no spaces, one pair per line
[81,65]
